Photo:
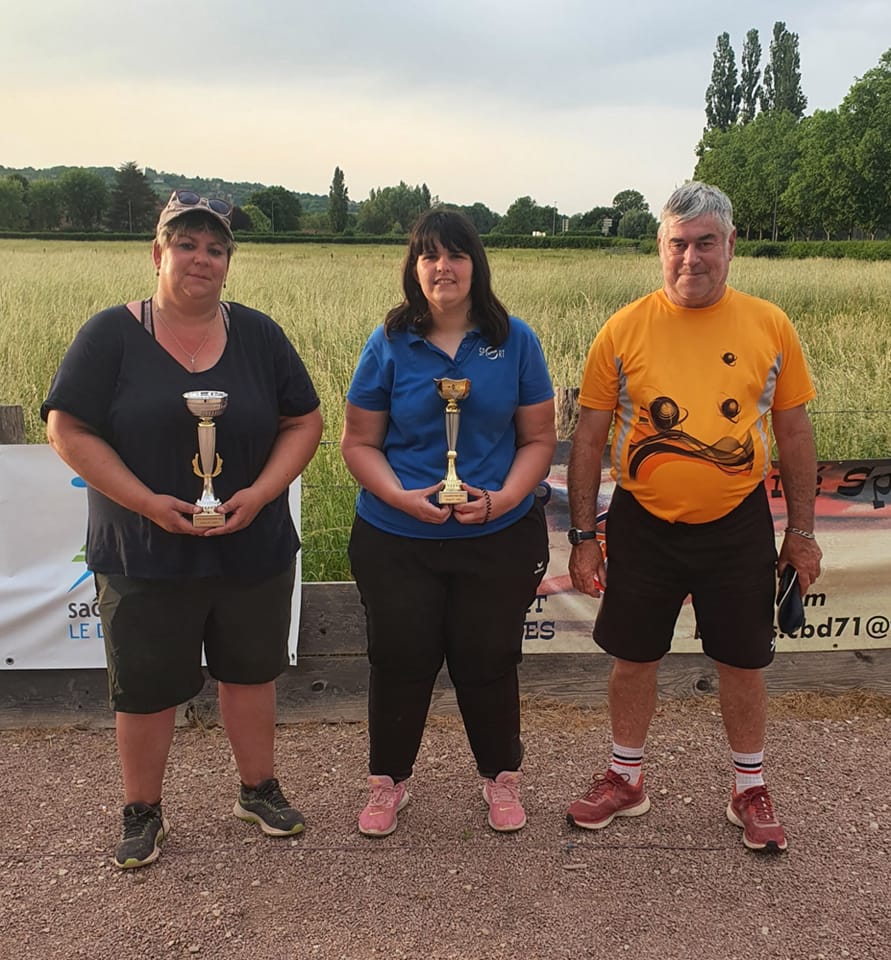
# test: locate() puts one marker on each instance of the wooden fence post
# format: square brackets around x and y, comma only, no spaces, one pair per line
[566,411]
[12,425]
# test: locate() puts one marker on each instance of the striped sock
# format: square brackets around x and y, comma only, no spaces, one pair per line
[627,762]
[748,769]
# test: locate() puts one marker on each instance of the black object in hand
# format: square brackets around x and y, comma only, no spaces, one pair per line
[790,608]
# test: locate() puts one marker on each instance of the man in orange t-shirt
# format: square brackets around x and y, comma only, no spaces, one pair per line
[686,377]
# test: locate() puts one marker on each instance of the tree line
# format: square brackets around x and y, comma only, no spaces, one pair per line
[81,200]
[791,176]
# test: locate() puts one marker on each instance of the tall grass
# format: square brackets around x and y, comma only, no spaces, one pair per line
[329,298]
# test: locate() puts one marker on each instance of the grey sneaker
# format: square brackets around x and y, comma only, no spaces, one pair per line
[265,805]
[144,831]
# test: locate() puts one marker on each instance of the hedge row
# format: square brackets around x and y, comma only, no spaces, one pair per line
[74,235]
[804,249]
[239,236]
[572,241]
[789,249]
[564,241]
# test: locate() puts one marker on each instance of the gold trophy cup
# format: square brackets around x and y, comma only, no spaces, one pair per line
[207,463]
[452,391]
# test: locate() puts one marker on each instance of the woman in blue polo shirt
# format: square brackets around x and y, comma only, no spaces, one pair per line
[447,581]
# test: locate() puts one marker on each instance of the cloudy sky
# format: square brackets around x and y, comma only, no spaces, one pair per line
[567,101]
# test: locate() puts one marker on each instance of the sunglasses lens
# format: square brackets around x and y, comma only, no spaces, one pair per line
[188,198]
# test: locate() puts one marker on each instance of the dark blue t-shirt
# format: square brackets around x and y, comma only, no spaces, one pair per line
[397,374]
[121,382]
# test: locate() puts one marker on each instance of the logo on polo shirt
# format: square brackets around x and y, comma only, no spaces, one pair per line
[492,353]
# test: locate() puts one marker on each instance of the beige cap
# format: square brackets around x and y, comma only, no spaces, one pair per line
[183,202]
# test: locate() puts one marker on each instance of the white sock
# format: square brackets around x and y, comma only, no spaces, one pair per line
[627,762]
[748,769]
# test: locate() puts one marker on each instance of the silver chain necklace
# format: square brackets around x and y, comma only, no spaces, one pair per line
[192,356]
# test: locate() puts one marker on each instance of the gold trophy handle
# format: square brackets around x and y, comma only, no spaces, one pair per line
[200,473]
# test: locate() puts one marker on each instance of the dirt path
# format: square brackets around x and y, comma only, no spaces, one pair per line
[677,883]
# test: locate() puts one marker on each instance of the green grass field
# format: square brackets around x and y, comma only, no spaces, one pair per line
[329,298]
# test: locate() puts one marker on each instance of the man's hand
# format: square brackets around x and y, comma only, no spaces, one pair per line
[588,568]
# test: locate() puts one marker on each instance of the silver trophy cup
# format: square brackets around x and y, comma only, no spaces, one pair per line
[207,463]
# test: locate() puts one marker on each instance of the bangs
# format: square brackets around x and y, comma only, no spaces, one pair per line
[446,230]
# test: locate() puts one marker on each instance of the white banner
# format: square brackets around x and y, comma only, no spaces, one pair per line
[48,617]
[47,596]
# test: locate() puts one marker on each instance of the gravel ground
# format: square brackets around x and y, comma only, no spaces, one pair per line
[677,883]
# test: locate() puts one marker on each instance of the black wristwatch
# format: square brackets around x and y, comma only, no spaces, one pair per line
[575,536]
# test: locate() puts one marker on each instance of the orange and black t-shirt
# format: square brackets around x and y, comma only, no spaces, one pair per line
[690,390]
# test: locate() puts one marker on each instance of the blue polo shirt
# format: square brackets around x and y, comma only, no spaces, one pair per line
[397,375]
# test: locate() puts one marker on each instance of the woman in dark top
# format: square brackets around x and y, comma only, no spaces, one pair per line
[171,586]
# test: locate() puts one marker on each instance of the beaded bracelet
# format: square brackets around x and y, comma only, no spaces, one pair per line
[488,506]
[801,533]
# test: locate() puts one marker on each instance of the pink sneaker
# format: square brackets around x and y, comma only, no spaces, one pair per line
[378,819]
[506,813]
[609,797]
[753,811]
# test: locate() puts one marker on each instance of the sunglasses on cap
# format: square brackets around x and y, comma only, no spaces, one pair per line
[189,198]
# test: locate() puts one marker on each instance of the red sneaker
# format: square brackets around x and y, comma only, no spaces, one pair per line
[506,813]
[385,800]
[753,811]
[610,796]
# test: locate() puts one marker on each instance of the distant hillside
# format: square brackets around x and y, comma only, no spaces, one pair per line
[163,183]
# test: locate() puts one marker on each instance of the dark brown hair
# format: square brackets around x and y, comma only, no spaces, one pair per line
[456,233]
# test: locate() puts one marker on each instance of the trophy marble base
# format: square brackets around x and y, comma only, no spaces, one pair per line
[204,520]
[451,496]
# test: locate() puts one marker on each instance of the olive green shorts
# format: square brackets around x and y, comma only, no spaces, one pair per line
[156,630]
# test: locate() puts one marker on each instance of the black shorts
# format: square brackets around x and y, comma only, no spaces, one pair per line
[155,630]
[727,566]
